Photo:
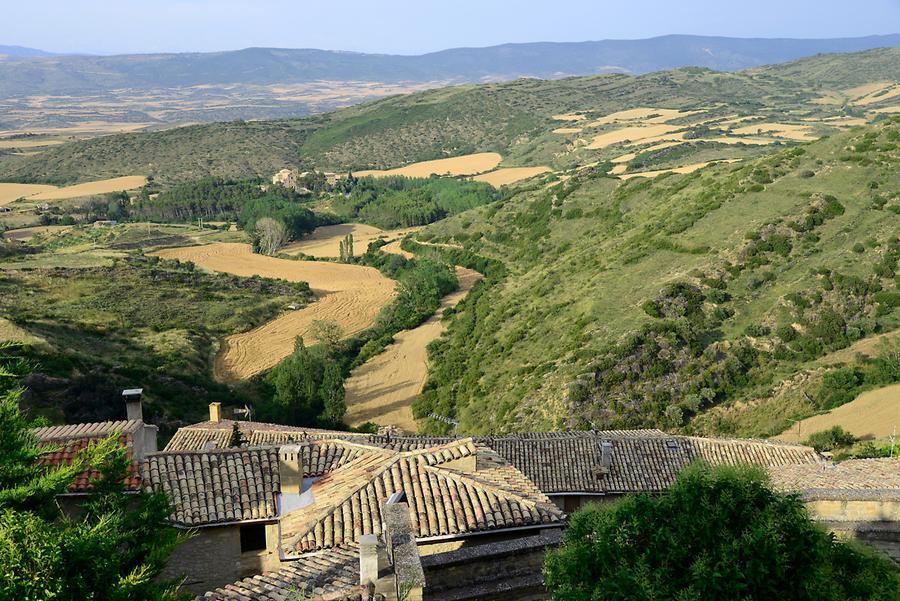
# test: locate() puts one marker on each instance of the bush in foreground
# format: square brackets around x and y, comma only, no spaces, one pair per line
[716,534]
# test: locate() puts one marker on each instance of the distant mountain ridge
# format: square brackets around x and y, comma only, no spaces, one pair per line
[23,52]
[30,74]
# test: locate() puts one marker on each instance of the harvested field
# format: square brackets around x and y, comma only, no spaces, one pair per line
[382,390]
[880,96]
[684,169]
[638,114]
[567,130]
[350,295]
[12,192]
[633,135]
[888,109]
[872,414]
[570,117]
[27,143]
[27,233]
[469,164]
[510,175]
[325,241]
[116,184]
[800,133]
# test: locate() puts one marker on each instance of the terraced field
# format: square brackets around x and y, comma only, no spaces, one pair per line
[350,295]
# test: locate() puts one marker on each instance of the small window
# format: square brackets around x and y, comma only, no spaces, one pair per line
[253,537]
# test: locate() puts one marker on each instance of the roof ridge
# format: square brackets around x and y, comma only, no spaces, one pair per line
[461,477]
[391,458]
[759,441]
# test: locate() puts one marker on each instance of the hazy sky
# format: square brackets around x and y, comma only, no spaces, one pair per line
[415,26]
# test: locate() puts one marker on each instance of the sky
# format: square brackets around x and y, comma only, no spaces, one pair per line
[415,26]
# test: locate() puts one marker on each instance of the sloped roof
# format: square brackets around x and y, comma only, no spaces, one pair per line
[63,443]
[332,574]
[651,464]
[443,500]
[863,478]
[92,430]
[197,437]
[216,487]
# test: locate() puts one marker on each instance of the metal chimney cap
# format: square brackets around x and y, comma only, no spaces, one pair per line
[397,497]
[133,392]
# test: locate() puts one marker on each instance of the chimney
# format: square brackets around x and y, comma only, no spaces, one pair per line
[368,559]
[290,471]
[133,410]
[215,412]
[606,452]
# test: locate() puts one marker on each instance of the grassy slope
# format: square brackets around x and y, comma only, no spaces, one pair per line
[512,118]
[586,255]
[118,320]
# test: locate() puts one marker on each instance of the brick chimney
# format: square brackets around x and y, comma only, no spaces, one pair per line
[215,412]
[133,409]
[290,471]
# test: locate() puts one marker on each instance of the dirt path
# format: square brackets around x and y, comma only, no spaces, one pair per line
[351,295]
[383,389]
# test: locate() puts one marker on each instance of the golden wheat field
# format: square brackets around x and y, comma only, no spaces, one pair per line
[683,169]
[800,133]
[510,175]
[116,184]
[874,413]
[350,295]
[382,389]
[470,164]
[570,117]
[633,135]
[12,192]
[325,241]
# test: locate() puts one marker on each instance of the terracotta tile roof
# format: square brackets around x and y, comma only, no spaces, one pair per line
[197,437]
[63,453]
[444,499]
[93,430]
[216,487]
[333,574]
[861,476]
[64,442]
[651,464]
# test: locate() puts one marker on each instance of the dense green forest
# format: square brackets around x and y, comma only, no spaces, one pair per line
[658,302]
[396,201]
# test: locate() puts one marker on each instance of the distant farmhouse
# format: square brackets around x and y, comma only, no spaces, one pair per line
[335,515]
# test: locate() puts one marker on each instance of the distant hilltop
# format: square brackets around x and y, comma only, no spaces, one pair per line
[268,66]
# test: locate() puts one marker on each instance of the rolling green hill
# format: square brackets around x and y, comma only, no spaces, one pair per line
[515,119]
[650,302]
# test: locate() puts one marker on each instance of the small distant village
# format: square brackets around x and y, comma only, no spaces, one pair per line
[279,512]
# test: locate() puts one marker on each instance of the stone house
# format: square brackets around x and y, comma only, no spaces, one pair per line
[252,509]
[286,177]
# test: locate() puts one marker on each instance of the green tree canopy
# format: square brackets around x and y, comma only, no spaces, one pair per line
[114,549]
[717,534]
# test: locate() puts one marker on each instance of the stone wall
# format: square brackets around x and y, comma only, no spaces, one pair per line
[872,519]
[207,560]
[498,571]
[212,558]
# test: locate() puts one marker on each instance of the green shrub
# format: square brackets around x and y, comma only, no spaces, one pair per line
[828,440]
